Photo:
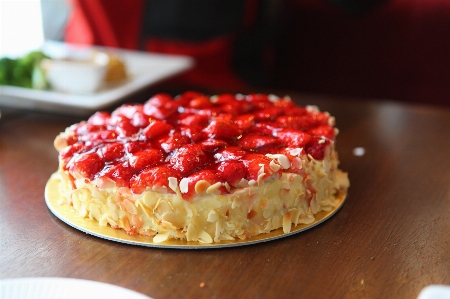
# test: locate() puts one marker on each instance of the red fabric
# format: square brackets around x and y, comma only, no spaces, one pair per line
[117,23]
[112,23]
[212,59]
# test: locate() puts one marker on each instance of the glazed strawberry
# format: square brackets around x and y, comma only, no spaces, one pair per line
[85,128]
[146,158]
[173,141]
[222,129]
[316,147]
[100,135]
[200,102]
[185,98]
[160,106]
[156,128]
[229,153]
[188,158]
[195,120]
[127,110]
[126,129]
[292,138]
[286,104]
[302,123]
[265,128]
[212,145]
[199,182]
[245,121]
[232,171]
[194,133]
[268,114]
[296,111]
[112,151]
[258,164]
[256,142]
[99,118]
[156,176]
[87,165]
[141,120]
[322,130]
[229,104]
[259,101]
[67,153]
[136,146]
[120,173]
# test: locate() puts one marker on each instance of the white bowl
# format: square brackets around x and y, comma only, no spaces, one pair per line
[75,76]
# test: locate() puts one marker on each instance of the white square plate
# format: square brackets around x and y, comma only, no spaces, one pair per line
[144,69]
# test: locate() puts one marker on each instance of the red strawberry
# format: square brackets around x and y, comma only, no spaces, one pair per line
[195,133]
[257,162]
[145,158]
[100,135]
[316,147]
[229,104]
[259,101]
[87,165]
[127,110]
[220,128]
[188,158]
[297,111]
[195,120]
[136,146]
[155,176]
[268,114]
[325,131]
[229,153]
[285,103]
[141,120]
[188,185]
[156,128]
[255,142]
[173,141]
[125,128]
[99,118]
[67,153]
[223,99]
[112,151]
[232,171]
[244,121]
[184,99]
[212,145]
[160,106]
[266,128]
[292,138]
[120,173]
[200,102]
[84,128]
[302,123]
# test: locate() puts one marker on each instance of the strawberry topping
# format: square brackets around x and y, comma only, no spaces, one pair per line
[222,139]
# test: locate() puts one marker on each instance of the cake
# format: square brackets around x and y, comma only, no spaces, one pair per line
[202,168]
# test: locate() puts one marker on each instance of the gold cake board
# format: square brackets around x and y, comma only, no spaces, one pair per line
[67,214]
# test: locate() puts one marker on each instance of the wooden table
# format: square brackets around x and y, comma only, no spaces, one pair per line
[389,240]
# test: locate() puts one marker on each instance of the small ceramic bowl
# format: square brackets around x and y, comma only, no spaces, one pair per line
[75,76]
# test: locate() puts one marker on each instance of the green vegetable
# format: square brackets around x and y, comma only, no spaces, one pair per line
[19,72]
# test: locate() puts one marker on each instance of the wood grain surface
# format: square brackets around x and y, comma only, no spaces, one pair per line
[389,240]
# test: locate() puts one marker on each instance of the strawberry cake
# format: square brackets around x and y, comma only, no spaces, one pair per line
[202,168]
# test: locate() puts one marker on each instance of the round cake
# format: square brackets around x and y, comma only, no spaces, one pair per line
[202,168]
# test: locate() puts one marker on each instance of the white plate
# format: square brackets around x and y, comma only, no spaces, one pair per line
[67,288]
[144,69]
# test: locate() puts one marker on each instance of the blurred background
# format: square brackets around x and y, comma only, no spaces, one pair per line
[394,49]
